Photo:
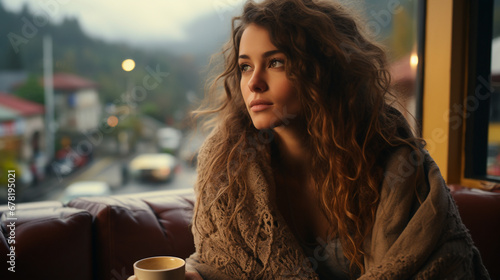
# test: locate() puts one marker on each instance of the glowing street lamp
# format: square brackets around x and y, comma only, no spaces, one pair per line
[112,121]
[414,61]
[128,65]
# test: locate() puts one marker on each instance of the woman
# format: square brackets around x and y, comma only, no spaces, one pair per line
[309,172]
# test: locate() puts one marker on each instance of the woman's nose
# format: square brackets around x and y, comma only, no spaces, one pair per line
[257,83]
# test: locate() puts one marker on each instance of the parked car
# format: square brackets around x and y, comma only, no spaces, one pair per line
[158,167]
[85,189]
[62,167]
[67,161]
[169,140]
[188,151]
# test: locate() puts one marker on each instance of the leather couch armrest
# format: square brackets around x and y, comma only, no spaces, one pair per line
[131,227]
[480,212]
[49,242]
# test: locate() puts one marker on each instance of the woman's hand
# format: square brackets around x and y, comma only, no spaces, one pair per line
[193,275]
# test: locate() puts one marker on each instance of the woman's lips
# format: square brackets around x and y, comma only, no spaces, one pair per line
[260,105]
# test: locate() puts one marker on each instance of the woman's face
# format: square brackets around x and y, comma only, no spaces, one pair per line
[269,95]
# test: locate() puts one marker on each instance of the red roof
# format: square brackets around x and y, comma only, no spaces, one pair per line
[402,70]
[70,82]
[23,106]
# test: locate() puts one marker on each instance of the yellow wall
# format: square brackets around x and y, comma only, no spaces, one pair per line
[437,76]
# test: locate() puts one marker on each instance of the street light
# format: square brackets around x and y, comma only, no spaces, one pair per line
[414,61]
[128,65]
[123,138]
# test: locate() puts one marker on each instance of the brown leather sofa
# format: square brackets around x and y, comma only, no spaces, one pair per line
[480,212]
[101,238]
[96,238]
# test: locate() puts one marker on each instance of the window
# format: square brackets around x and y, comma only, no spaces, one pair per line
[493,156]
[460,107]
[106,114]
[482,103]
[399,26]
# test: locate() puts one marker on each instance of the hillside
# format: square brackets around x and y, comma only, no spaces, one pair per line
[75,52]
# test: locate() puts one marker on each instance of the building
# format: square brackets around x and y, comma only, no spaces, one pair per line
[76,103]
[11,79]
[21,126]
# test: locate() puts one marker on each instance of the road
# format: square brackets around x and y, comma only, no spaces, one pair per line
[109,169]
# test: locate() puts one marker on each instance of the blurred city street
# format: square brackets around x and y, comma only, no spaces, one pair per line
[109,169]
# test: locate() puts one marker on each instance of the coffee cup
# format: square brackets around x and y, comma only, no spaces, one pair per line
[159,268]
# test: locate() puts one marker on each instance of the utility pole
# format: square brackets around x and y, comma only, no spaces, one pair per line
[48,78]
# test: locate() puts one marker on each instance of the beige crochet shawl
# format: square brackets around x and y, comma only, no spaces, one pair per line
[409,240]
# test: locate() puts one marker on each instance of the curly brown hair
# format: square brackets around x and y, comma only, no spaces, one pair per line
[343,85]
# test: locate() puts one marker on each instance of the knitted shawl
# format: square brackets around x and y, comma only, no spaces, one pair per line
[412,238]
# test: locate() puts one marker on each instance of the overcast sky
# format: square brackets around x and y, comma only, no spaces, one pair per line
[130,20]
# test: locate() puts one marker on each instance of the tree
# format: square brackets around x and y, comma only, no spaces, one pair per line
[404,32]
[496,21]
[31,90]
[13,60]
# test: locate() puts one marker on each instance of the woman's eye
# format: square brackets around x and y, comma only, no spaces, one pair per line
[244,67]
[276,63]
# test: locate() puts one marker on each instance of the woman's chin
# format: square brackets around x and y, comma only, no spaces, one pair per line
[263,124]
[266,124]
[259,126]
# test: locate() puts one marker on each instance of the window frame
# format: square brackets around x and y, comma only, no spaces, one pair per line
[458,57]
[478,91]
